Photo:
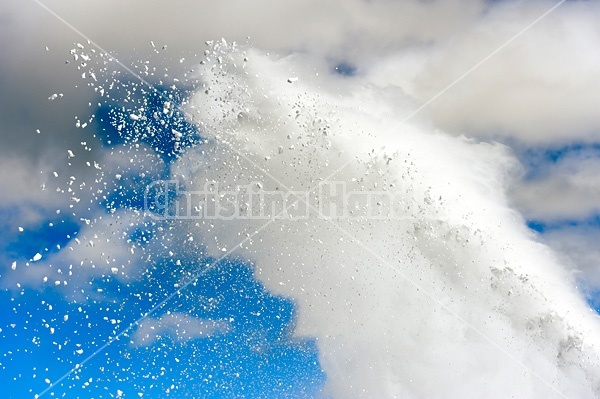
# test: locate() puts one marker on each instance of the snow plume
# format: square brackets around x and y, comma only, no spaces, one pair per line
[395,233]
[451,296]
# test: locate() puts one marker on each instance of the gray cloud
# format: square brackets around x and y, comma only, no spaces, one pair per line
[569,190]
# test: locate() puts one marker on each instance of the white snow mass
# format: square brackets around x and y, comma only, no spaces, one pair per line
[455,298]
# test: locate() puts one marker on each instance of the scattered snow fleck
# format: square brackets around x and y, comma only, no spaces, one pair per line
[37,257]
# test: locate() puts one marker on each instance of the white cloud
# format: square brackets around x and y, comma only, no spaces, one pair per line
[27,190]
[540,88]
[569,189]
[179,327]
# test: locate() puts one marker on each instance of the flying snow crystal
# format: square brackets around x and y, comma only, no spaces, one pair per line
[37,257]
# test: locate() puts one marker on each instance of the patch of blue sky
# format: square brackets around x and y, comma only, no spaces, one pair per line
[152,117]
[593,299]
[155,119]
[537,160]
[45,238]
[542,226]
[345,69]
